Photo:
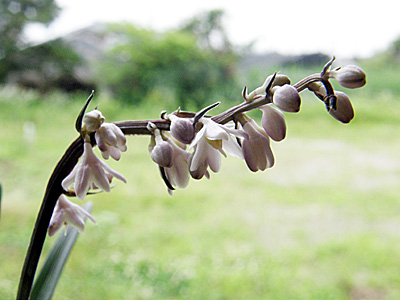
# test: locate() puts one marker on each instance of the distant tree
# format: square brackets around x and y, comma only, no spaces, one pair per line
[184,60]
[47,66]
[14,15]
[209,30]
[211,36]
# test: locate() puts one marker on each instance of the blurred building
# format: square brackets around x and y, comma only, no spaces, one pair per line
[66,63]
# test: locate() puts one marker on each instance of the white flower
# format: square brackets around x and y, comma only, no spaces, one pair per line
[90,170]
[205,155]
[212,140]
[66,212]
[171,158]
[93,120]
[256,149]
[178,173]
[110,140]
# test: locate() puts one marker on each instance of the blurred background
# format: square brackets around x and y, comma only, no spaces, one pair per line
[323,223]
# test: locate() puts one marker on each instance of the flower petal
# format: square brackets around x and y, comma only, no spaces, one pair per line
[273,122]
[113,172]
[199,156]
[57,220]
[99,178]
[232,148]
[213,159]
[114,152]
[69,179]
[82,182]
[73,217]
[197,138]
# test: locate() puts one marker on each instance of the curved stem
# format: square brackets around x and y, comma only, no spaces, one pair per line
[54,190]
[71,157]
[303,84]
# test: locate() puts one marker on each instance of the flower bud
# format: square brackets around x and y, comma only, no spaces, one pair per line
[286,98]
[273,122]
[344,110]
[350,76]
[93,120]
[162,153]
[182,129]
[279,80]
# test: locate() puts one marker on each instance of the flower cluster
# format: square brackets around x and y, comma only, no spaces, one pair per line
[208,139]
[90,172]
[191,145]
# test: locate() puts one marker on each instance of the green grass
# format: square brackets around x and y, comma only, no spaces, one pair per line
[323,223]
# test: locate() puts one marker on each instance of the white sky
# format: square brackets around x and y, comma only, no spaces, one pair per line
[343,28]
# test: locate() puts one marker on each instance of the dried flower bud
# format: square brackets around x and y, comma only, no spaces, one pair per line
[286,98]
[182,129]
[93,120]
[350,76]
[344,110]
[273,122]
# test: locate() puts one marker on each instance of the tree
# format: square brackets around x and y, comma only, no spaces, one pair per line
[186,60]
[14,15]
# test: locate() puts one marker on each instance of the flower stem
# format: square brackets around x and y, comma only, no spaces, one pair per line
[75,150]
[53,191]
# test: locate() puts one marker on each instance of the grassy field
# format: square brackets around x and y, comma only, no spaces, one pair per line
[323,223]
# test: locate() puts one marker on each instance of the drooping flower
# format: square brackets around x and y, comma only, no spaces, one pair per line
[210,142]
[90,170]
[178,173]
[256,149]
[171,158]
[110,140]
[66,212]
[273,122]
[204,155]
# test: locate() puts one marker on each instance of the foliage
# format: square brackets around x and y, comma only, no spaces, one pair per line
[14,15]
[142,60]
[51,65]
[321,224]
